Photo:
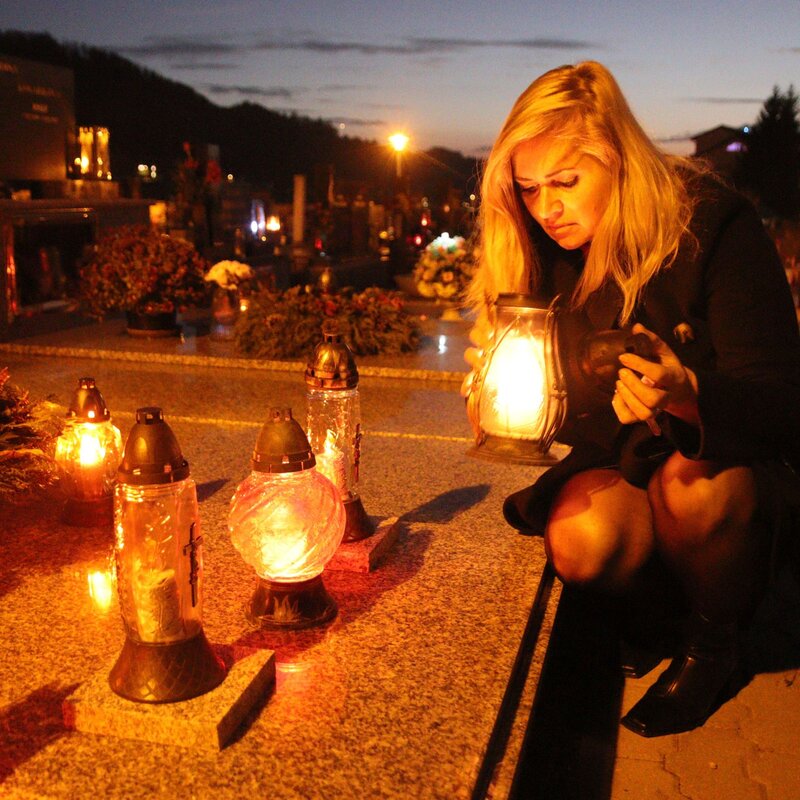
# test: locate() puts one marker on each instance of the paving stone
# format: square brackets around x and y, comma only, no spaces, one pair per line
[643,780]
[639,748]
[774,724]
[713,763]
[779,774]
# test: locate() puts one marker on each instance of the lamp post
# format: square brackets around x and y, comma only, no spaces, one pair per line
[532,372]
[399,141]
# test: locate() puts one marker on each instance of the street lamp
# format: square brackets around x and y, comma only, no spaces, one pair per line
[399,141]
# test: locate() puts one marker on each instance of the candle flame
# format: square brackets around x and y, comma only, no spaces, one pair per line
[515,384]
[330,443]
[91,450]
[101,588]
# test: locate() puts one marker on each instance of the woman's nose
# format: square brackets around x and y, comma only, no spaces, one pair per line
[549,206]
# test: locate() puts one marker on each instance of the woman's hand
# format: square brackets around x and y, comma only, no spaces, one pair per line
[645,388]
[481,337]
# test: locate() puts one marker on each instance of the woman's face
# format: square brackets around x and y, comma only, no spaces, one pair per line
[565,191]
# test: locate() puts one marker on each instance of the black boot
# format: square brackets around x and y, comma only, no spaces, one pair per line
[699,679]
[649,619]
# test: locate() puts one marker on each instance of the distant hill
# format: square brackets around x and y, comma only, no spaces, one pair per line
[150,116]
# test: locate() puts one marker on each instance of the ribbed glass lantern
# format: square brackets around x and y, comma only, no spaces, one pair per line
[287,520]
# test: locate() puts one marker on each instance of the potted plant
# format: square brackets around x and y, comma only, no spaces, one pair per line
[230,278]
[443,271]
[148,275]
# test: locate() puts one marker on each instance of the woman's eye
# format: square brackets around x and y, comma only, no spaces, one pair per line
[529,190]
[568,184]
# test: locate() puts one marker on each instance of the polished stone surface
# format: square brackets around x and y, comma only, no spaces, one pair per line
[208,721]
[412,691]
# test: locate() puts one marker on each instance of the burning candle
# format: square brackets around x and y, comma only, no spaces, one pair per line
[331,463]
[101,589]
[287,520]
[88,453]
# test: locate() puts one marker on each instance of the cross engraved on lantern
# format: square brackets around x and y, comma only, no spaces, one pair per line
[191,549]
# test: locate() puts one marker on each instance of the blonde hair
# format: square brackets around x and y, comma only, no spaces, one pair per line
[648,212]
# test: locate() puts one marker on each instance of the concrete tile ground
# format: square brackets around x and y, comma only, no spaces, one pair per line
[750,748]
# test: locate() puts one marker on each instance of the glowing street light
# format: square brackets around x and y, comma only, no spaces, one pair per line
[399,141]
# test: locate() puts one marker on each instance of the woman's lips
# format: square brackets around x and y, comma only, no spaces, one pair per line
[558,230]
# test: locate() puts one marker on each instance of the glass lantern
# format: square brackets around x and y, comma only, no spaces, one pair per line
[88,454]
[159,557]
[287,520]
[533,371]
[334,424]
[517,401]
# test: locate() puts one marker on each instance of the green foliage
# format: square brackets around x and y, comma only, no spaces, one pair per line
[28,431]
[135,268]
[770,165]
[283,325]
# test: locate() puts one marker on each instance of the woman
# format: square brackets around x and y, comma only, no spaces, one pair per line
[578,202]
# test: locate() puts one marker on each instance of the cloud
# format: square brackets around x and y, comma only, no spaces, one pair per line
[172,46]
[726,100]
[356,122]
[280,92]
[423,45]
[196,65]
[439,44]
[189,47]
[342,87]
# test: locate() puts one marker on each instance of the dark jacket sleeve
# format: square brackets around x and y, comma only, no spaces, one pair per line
[749,399]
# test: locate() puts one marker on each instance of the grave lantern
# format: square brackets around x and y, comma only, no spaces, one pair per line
[88,453]
[334,423]
[166,656]
[287,520]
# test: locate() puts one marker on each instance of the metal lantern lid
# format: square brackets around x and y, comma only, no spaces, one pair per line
[332,366]
[87,404]
[152,453]
[519,300]
[282,445]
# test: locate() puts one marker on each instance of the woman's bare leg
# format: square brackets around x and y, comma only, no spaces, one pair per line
[600,532]
[703,521]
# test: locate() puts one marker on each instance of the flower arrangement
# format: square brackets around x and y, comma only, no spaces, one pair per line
[28,433]
[229,274]
[136,268]
[288,324]
[444,269]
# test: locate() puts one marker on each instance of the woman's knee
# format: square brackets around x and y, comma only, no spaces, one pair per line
[693,500]
[577,551]
[587,539]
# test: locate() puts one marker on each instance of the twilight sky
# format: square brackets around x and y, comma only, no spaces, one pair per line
[446,71]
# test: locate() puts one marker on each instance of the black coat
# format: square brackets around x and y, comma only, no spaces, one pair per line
[725,309]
